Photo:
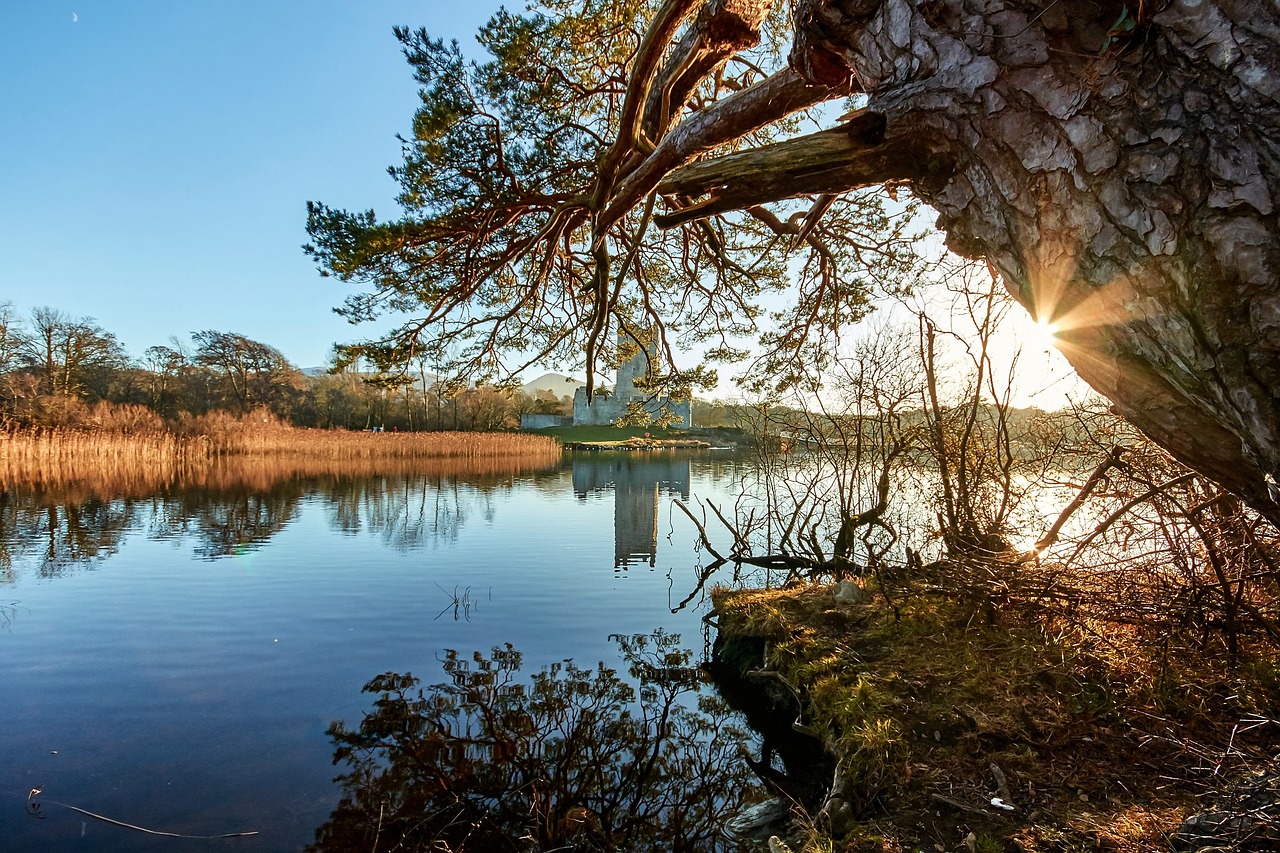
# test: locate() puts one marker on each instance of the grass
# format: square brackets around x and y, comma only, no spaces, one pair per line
[1103,744]
[593,433]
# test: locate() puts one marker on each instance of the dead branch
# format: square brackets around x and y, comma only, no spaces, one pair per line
[1106,523]
[862,152]
[702,534]
[1112,460]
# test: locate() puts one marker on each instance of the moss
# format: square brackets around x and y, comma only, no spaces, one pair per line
[1085,728]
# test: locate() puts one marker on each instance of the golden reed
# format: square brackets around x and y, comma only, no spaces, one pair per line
[221,448]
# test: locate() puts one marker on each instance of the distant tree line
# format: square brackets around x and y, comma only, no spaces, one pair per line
[55,367]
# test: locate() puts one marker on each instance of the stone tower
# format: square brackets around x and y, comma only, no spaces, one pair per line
[639,367]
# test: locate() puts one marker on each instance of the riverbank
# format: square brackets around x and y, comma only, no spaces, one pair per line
[605,437]
[640,444]
[965,725]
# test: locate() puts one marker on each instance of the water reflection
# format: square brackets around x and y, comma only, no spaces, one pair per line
[412,512]
[55,537]
[574,758]
[214,677]
[637,484]
[243,505]
[240,507]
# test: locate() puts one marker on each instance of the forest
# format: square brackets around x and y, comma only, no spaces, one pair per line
[61,370]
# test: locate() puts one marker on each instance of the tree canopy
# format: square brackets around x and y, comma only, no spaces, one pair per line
[527,225]
[613,165]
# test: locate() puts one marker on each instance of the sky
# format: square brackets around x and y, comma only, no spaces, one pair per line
[157,156]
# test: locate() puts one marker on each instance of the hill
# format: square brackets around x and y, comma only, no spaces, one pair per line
[556,383]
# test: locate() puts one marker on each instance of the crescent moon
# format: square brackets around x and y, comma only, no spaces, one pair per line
[74,17]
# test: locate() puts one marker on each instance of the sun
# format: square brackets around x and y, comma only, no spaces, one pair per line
[1040,335]
[1035,337]
[1032,347]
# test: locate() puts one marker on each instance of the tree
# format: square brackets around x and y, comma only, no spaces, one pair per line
[544,402]
[1113,161]
[71,356]
[502,243]
[11,339]
[485,408]
[171,379]
[252,373]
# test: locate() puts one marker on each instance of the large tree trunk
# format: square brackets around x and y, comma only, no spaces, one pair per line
[1117,164]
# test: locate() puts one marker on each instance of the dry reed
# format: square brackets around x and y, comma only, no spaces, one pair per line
[262,474]
[336,444]
[137,461]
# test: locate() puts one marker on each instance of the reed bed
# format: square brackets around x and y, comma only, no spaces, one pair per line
[141,462]
[232,474]
[132,462]
[337,444]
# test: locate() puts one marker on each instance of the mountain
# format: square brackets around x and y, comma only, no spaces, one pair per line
[556,383]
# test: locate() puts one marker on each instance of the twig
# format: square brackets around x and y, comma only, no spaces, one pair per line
[1112,460]
[1103,525]
[114,822]
[702,531]
[956,804]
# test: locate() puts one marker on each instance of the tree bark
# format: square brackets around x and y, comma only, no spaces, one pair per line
[1116,162]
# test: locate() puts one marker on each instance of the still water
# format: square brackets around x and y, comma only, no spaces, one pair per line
[173,660]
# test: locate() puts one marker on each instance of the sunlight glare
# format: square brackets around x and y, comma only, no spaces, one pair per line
[1042,335]
[1027,546]
[1043,375]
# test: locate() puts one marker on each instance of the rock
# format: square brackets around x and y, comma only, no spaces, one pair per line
[758,821]
[1246,818]
[848,592]
[839,816]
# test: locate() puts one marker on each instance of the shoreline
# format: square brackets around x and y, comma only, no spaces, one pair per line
[640,444]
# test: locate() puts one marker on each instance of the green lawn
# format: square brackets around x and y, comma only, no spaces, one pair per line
[607,433]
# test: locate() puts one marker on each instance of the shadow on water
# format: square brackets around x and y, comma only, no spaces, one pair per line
[571,758]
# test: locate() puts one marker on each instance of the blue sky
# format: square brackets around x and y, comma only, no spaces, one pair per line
[158,156]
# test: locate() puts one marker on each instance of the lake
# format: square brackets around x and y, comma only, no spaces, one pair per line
[173,659]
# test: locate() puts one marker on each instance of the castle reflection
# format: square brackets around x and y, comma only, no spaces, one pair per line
[637,483]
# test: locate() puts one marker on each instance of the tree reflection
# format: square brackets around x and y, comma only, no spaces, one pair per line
[242,507]
[574,758]
[412,512]
[57,536]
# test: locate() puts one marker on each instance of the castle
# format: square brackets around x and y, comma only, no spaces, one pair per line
[606,406]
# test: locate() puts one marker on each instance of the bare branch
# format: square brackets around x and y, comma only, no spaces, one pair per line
[867,150]
[733,117]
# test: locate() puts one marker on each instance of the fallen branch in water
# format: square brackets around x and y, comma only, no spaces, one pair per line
[33,808]
[702,535]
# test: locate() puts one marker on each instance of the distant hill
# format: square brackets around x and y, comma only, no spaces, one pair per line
[556,383]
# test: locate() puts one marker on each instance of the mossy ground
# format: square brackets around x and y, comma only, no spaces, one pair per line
[1104,736]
